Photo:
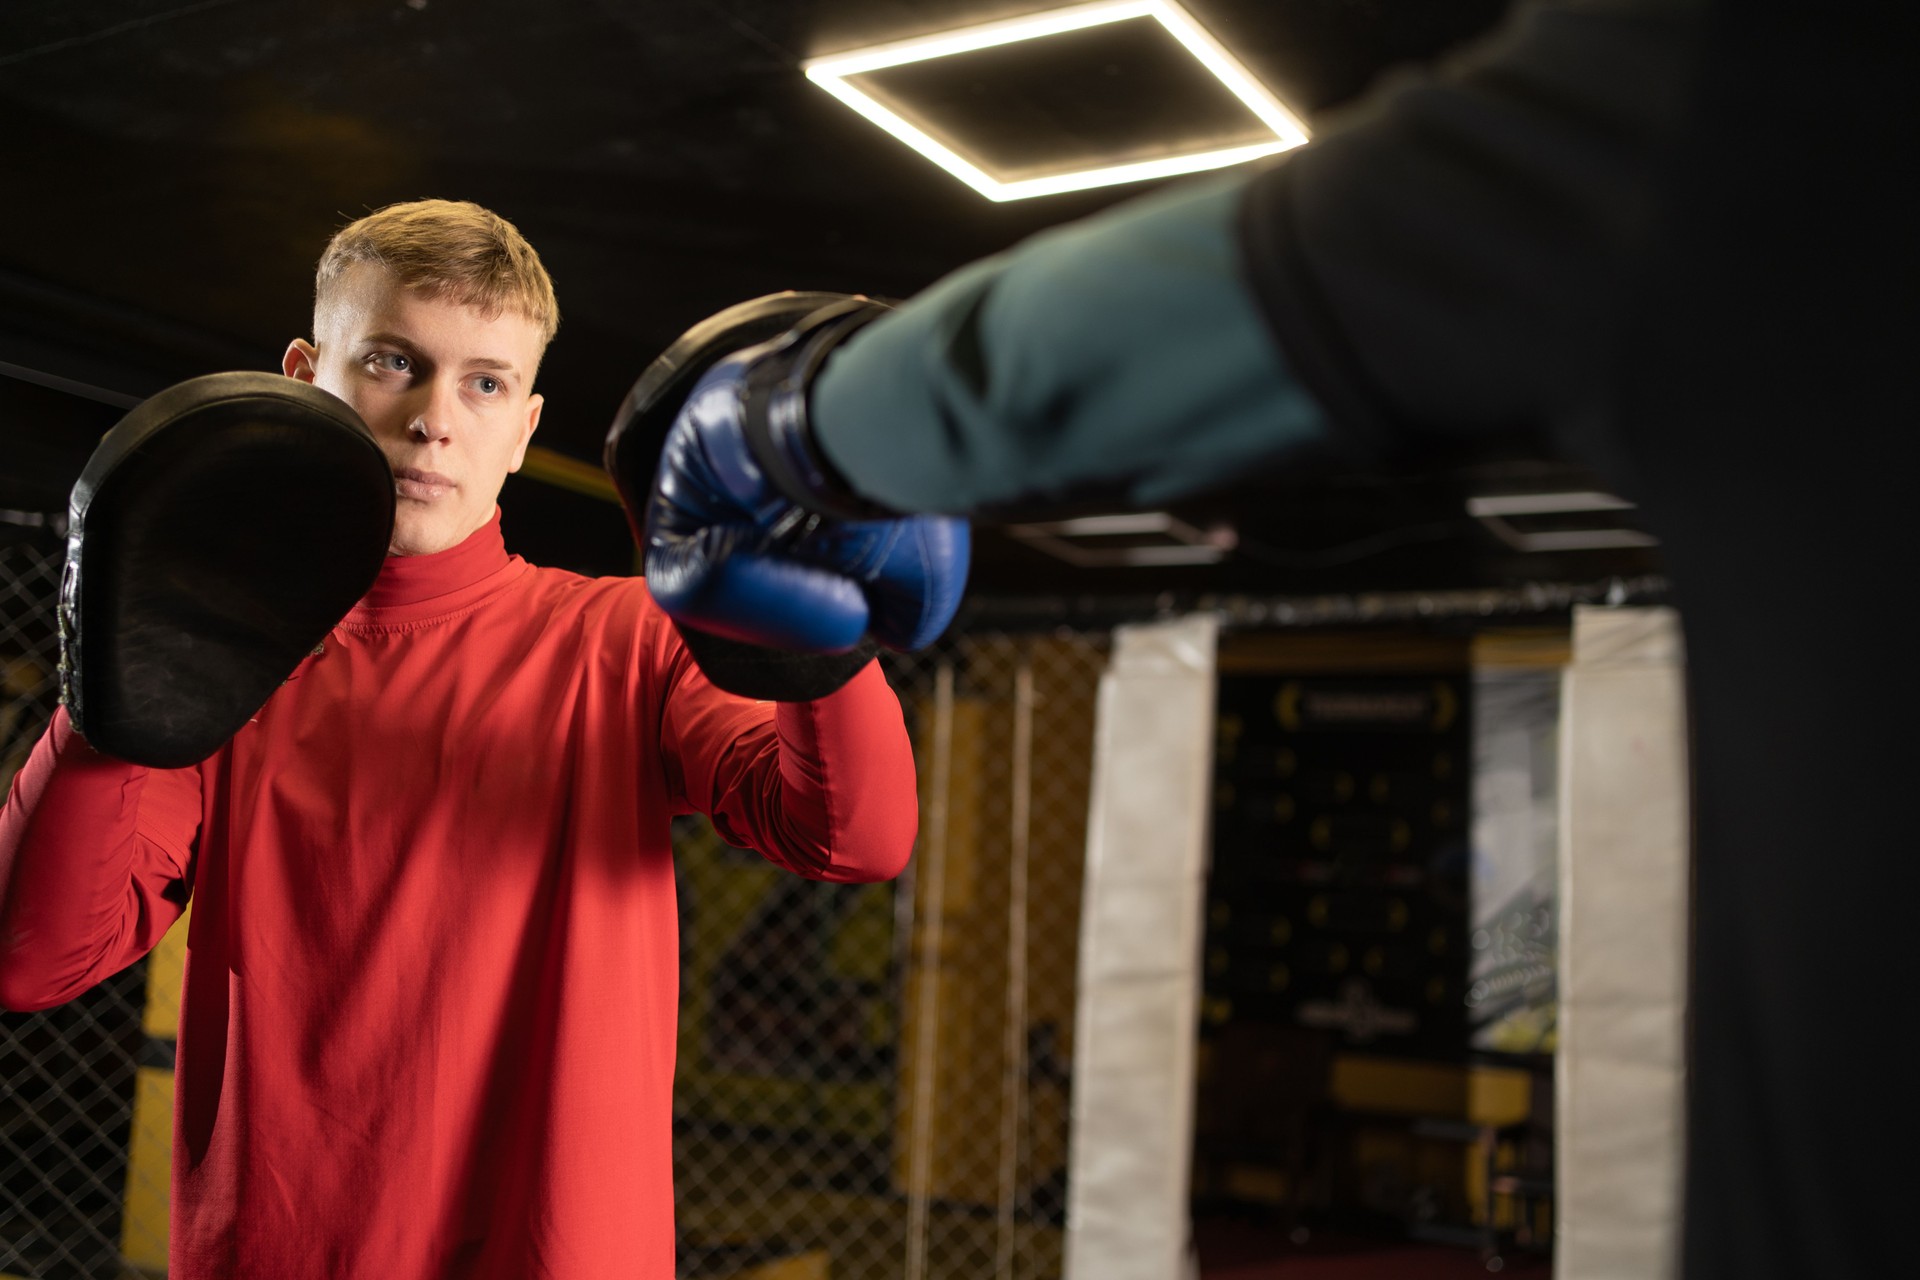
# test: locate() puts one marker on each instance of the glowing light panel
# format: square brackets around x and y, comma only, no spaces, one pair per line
[833,73]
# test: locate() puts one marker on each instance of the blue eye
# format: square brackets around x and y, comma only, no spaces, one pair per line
[392,362]
[488,386]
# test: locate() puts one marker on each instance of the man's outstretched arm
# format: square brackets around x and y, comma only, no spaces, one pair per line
[824,788]
[1124,353]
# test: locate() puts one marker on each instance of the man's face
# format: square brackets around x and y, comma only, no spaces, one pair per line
[447,393]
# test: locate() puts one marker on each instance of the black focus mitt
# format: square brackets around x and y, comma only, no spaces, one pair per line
[217,534]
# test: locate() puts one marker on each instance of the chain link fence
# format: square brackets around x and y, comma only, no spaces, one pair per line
[67,1076]
[873,1080]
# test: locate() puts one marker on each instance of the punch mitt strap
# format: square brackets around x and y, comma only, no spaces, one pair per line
[777,420]
[632,457]
[217,534]
[639,430]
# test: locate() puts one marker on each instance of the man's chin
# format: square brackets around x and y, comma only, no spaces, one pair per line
[416,537]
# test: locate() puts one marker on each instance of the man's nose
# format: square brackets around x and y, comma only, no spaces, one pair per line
[435,411]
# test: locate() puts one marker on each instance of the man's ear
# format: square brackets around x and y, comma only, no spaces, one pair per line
[302,360]
[535,403]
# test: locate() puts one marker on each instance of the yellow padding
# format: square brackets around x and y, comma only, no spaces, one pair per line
[1310,653]
[563,472]
[1398,1087]
[805,1266]
[166,968]
[143,1223]
[1499,1095]
[1484,1095]
[1534,649]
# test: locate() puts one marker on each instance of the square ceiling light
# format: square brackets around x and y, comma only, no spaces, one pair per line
[865,80]
[1132,540]
[1583,521]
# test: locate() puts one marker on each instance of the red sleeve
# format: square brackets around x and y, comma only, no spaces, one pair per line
[96,863]
[824,788]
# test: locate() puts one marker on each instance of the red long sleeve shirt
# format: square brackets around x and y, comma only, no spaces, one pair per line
[429,1015]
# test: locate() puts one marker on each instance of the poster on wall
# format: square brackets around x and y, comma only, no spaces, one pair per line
[1337,896]
[1512,997]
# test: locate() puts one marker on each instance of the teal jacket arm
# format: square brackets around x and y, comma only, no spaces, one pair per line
[1123,354]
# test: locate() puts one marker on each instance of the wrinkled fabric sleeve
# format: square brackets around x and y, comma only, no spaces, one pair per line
[96,863]
[825,789]
[1123,355]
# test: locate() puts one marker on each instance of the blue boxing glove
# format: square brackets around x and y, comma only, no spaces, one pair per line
[751,535]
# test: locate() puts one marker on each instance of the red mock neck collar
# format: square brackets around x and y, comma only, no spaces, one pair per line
[414,588]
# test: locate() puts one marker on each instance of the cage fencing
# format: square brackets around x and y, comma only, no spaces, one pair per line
[67,1076]
[874,1080]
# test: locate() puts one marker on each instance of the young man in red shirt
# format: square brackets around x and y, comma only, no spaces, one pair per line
[429,1016]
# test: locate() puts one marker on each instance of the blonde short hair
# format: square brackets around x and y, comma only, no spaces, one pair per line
[444,249]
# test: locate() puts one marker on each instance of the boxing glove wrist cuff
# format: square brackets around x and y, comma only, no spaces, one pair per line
[777,425]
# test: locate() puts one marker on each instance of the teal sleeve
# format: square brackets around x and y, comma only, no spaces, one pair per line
[1121,353]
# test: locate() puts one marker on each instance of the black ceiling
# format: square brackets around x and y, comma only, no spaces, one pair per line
[171,171]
